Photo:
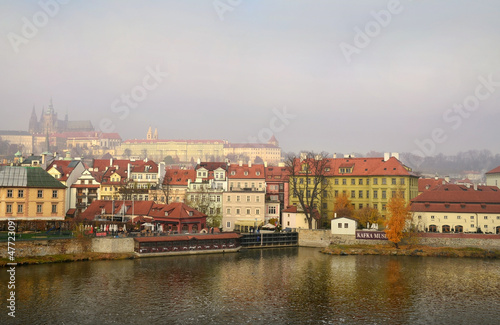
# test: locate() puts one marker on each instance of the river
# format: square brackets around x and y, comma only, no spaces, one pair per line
[271,286]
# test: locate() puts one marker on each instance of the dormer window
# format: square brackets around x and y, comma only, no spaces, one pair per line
[233,172]
[190,213]
[245,173]
[257,173]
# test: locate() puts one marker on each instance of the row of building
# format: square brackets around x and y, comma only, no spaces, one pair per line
[239,195]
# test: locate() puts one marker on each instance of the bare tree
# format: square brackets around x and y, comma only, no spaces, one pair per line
[308,183]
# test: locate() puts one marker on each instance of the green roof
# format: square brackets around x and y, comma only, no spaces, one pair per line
[14,176]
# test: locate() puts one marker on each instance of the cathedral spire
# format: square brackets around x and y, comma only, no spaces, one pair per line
[33,123]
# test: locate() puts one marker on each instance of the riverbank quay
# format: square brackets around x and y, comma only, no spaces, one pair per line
[62,258]
[410,250]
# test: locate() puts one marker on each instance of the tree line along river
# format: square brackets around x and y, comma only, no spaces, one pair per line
[267,286]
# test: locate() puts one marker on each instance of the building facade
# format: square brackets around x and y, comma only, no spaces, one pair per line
[458,208]
[30,193]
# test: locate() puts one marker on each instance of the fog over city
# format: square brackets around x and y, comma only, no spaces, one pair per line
[338,76]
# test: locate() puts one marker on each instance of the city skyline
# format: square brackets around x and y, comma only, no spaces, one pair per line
[340,77]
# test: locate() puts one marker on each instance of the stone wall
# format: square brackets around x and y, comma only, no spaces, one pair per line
[45,247]
[113,245]
[68,246]
[323,238]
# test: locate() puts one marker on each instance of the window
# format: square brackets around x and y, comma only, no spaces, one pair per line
[54,208]
[361,206]
[336,181]
[340,224]
[419,217]
[325,205]
[360,194]
[384,195]
[360,182]
[237,211]
[393,194]
[393,181]
[368,182]
[228,211]
[346,225]
[375,206]
[367,194]
[402,181]
[344,181]
[38,208]
[471,217]
[383,207]
[248,198]
[458,217]
[228,224]
[229,198]
[353,181]
[272,210]
[238,199]
[20,208]
[336,193]
[353,194]
[39,194]
[20,193]
[375,194]
[54,194]
[257,199]
[248,211]
[432,217]
[9,193]
[384,181]
[446,217]
[8,208]
[257,211]
[485,218]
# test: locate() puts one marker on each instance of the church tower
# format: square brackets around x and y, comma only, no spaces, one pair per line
[149,135]
[155,136]
[33,123]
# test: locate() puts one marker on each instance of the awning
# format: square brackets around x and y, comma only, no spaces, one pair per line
[248,223]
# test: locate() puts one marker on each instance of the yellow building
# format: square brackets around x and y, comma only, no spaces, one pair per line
[30,193]
[269,152]
[368,182]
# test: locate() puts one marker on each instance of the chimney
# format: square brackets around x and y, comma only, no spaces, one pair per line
[265,164]
[110,162]
[447,179]
[387,155]
[475,187]
[128,171]
[240,163]
[395,155]
[249,164]
[335,156]
[198,161]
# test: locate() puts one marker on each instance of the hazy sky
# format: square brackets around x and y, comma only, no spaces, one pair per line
[340,76]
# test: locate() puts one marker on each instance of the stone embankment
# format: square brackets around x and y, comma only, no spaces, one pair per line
[324,238]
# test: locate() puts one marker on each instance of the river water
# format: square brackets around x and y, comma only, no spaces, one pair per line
[271,286]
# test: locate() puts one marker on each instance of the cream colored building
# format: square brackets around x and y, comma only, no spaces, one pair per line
[458,208]
[30,193]
[244,202]
[293,217]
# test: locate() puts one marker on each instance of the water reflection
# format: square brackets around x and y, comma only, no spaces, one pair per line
[278,286]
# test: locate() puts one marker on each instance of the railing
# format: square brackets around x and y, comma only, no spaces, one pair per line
[275,239]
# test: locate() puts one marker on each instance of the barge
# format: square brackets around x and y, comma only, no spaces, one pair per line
[187,244]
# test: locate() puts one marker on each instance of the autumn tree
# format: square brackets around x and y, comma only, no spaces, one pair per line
[343,207]
[307,181]
[367,217]
[398,217]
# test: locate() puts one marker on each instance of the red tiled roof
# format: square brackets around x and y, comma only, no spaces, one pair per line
[458,198]
[176,210]
[294,209]
[494,170]
[111,136]
[363,167]
[256,171]
[430,183]
[277,174]
[250,145]
[179,177]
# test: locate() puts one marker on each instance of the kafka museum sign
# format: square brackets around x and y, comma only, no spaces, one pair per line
[371,235]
